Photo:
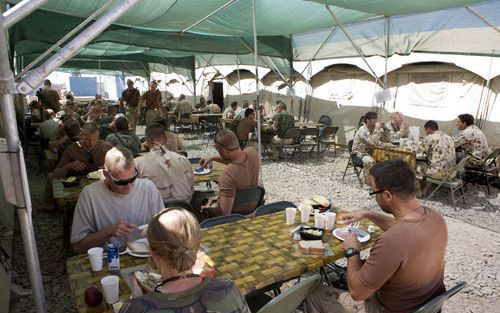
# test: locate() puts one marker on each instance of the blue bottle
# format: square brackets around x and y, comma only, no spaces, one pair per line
[113,257]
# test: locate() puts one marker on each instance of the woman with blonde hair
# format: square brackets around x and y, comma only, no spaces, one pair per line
[174,237]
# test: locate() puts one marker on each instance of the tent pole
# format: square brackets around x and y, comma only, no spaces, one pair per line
[358,50]
[19,195]
[290,86]
[64,38]
[386,43]
[20,11]
[205,67]
[100,78]
[255,56]
[193,73]
[482,18]
[239,78]
[209,15]
[34,78]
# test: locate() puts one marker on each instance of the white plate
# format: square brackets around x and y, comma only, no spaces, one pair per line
[204,172]
[145,240]
[338,231]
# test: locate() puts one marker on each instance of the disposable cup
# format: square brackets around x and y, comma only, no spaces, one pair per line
[330,220]
[95,257]
[371,229]
[319,220]
[305,212]
[290,215]
[110,286]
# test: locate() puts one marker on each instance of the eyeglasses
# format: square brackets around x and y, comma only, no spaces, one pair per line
[372,193]
[123,182]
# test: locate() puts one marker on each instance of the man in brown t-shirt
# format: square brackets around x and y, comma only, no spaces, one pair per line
[151,99]
[245,126]
[131,97]
[50,97]
[405,268]
[83,156]
[242,171]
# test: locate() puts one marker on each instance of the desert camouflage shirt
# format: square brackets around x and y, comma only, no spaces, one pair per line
[396,133]
[365,140]
[440,151]
[283,121]
[473,141]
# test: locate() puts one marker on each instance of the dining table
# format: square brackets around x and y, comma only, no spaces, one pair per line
[254,253]
[391,152]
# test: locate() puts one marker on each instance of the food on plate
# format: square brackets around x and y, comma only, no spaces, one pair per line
[313,232]
[204,265]
[310,202]
[315,247]
[324,202]
[96,175]
[69,179]
[138,247]
[147,280]
[92,296]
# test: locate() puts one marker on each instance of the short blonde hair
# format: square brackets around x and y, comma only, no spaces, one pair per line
[118,159]
[174,235]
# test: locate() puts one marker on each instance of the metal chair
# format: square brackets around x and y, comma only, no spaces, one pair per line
[325,120]
[178,204]
[219,220]
[434,305]
[309,140]
[273,208]
[453,181]
[327,138]
[353,162]
[488,169]
[292,298]
[292,135]
[184,124]
[253,196]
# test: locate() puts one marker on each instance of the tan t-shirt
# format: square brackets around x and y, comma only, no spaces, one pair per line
[153,100]
[94,159]
[406,263]
[245,126]
[238,176]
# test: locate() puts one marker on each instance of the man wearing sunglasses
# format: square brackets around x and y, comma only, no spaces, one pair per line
[110,210]
[241,171]
[405,268]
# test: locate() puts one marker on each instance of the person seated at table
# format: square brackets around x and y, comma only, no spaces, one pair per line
[171,172]
[183,106]
[200,105]
[174,237]
[230,111]
[440,151]
[69,111]
[174,142]
[470,140]
[405,268]
[397,128]
[48,128]
[110,210]
[211,108]
[366,138]
[241,171]
[282,121]
[83,156]
[122,137]
[245,127]
[241,113]
[169,104]
[67,133]
[94,114]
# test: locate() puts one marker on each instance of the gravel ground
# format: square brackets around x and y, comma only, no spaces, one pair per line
[473,250]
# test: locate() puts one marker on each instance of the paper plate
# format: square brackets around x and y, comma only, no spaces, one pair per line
[339,233]
[201,171]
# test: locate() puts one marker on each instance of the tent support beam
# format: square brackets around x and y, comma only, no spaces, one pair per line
[257,91]
[358,50]
[64,38]
[19,195]
[20,11]
[178,75]
[33,79]
[239,78]
[215,69]
[209,15]
[317,51]
[482,18]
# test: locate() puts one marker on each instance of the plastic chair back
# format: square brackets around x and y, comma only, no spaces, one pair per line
[293,133]
[219,220]
[290,299]
[329,132]
[325,120]
[254,194]
[178,204]
[273,207]
[434,305]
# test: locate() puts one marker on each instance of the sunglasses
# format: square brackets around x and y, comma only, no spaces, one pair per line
[123,182]
[371,193]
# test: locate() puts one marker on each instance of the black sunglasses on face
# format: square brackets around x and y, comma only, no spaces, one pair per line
[371,193]
[123,182]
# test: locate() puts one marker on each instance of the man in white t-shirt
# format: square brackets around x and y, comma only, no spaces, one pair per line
[112,209]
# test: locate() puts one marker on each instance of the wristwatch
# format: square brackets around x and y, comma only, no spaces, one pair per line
[349,252]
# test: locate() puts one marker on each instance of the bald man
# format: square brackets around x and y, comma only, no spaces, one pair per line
[241,171]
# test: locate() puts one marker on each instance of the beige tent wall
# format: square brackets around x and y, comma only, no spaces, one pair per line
[492,126]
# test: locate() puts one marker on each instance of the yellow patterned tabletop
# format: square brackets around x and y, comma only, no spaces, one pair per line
[381,153]
[254,253]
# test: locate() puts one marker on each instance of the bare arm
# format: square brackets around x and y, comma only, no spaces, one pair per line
[100,237]
[357,290]
[61,172]
[204,161]
[224,206]
[381,220]
[57,143]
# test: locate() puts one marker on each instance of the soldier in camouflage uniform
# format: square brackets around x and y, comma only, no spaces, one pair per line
[471,140]
[440,151]
[367,137]
[396,129]
[282,121]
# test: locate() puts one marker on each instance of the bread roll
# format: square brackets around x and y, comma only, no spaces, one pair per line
[324,202]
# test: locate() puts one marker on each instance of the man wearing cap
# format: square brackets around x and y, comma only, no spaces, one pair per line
[241,171]
[152,101]
[131,97]
[111,209]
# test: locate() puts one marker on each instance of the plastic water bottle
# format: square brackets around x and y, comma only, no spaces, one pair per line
[210,165]
[113,257]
